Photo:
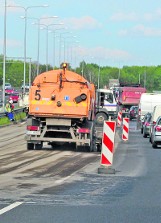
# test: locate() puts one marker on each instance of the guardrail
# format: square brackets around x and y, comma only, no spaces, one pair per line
[18,110]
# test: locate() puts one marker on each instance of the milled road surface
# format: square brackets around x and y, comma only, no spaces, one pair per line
[26,172]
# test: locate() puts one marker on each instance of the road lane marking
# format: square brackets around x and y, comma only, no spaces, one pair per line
[10,207]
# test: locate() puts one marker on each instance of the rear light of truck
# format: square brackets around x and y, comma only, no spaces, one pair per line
[83,130]
[147,124]
[158,128]
[33,128]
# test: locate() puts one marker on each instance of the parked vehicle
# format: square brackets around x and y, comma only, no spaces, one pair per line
[156,133]
[146,125]
[155,114]
[133,113]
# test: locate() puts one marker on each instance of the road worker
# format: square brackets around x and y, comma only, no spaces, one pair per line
[9,108]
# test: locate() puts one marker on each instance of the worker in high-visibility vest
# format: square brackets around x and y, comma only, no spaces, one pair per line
[9,108]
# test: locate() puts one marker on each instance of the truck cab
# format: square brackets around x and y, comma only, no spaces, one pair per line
[106,105]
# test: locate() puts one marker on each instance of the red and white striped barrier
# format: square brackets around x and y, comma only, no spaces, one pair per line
[125,132]
[119,118]
[108,143]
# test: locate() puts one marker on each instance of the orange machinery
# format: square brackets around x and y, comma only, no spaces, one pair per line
[61,110]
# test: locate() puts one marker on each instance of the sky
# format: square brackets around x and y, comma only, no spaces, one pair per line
[106,32]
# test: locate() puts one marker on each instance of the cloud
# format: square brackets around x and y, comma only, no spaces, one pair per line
[11,43]
[120,16]
[132,16]
[141,30]
[152,16]
[104,53]
[85,22]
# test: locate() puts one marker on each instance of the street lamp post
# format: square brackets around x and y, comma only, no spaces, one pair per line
[60,40]
[54,37]
[25,32]
[47,30]
[75,51]
[38,36]
[4,54]
[69,54]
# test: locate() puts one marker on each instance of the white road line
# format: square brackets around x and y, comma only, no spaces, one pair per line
[11,206]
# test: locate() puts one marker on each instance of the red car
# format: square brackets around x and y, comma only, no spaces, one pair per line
[9,90]
[14,97]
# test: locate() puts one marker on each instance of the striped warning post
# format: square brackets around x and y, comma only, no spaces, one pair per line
[108,143]
[119,118]
[125,130]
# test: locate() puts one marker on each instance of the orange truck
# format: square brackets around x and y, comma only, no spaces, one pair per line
[61,110]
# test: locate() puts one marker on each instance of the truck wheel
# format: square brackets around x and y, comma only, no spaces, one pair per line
[30,146]
[101,117]
[38,146]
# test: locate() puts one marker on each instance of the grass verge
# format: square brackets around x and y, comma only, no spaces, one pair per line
[18,117]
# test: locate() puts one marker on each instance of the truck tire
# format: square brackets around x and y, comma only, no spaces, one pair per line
[30,146]
[100,118]
[93,146]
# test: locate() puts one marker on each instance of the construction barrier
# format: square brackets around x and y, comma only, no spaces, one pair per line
[125,129]
[107,146]
[119,118]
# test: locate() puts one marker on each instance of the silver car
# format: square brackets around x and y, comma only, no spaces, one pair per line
[143,120]
[156,133]
[146,125]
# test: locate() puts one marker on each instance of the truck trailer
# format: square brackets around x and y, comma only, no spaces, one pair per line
[129,96]
[61,110]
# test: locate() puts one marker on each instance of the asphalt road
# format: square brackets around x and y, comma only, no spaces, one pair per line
[61,185]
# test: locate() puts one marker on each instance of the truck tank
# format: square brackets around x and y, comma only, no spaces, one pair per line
[61,110]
